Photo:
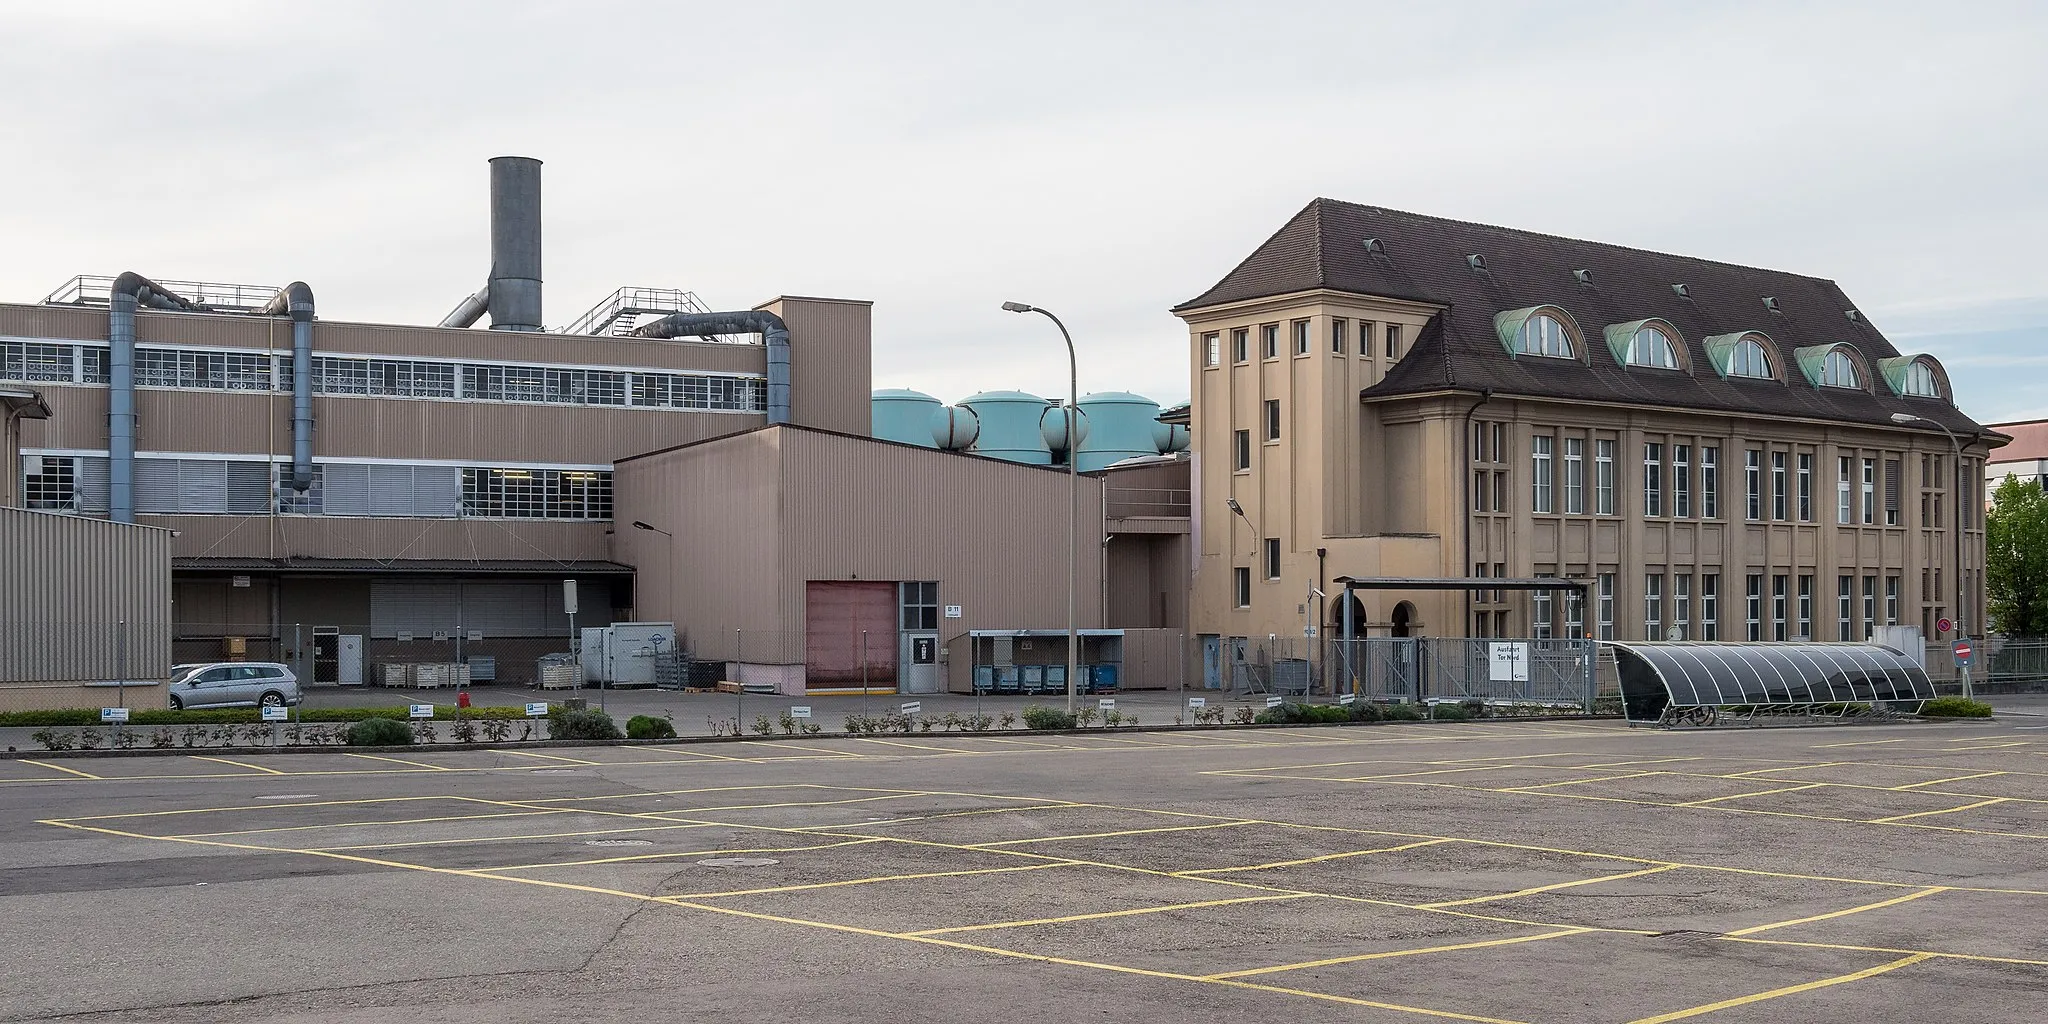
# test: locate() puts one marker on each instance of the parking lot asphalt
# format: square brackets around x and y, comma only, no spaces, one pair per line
[1536,871]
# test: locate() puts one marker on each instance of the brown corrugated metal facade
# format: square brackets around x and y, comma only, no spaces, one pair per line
[81,600]
[758,516]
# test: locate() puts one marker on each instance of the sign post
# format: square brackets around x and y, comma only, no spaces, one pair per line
[1965,653]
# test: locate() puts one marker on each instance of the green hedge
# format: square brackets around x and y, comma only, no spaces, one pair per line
[380,732]
[232,716]
[1955,707]
[648,727]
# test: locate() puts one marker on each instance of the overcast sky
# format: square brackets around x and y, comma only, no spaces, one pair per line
[1103,160]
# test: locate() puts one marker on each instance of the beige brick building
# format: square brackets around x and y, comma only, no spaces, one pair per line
[1725,452]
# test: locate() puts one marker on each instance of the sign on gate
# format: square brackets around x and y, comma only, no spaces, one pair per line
[1349,698]
[537,709]
[1198,702]
[113,715]
[913,707]
[1507,662]
[1273,702]
[277,714]
[422,711]
[800,711]
[1106,703]
[1965,653]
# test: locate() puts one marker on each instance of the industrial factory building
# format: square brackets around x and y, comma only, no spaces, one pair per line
[348,495]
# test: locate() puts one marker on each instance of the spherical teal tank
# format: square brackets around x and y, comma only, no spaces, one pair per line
[1170,437]
[1120,428]
[1010,427]
[903,415]
[1053,424]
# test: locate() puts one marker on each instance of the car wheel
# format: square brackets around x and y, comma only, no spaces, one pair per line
[177,703]
[272,699]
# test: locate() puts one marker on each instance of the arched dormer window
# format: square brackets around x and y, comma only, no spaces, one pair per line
[1744,354]
[1915,376]
[1652,343]
[1833,366]
[1839,371]
[1538,331]
[1750,360]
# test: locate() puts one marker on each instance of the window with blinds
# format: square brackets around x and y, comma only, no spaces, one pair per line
[201,487]
[1892,473]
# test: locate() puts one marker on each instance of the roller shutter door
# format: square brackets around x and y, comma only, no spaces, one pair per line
[835,613]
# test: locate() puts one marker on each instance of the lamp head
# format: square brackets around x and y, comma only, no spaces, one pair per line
[638,525]
[1234,506]
[1016,307]
[1904,417]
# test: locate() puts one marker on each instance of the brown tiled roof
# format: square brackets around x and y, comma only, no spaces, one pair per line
[1425,259]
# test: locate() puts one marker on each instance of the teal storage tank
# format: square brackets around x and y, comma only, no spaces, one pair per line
[1121,428]
[954,427]
[1009,427]
[1170,437]
[1053,424]
[903,415]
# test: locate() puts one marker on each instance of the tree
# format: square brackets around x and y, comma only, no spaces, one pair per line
[2016,558]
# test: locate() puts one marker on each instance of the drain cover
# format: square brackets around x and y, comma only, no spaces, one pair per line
[739,862]
[618,842]
[551,771]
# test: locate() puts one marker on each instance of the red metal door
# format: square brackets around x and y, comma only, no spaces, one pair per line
[836,612]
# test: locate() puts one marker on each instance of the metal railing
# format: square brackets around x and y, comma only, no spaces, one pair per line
[618,313]
[1148,501]
[97,290]
[2003,664]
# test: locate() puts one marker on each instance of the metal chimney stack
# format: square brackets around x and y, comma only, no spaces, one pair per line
[515,244]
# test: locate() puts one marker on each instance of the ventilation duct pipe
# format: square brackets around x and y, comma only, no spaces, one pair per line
[513,293]
[297,300]
[130,291]
[470,311]
[769,326]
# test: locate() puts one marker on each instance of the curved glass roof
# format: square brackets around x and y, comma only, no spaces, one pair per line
[1693,674]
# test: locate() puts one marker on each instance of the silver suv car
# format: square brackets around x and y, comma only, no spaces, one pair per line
[227,684]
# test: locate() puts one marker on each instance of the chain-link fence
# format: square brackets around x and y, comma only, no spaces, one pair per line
[1559,672]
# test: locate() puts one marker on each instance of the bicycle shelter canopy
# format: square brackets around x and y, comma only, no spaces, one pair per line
[1662,676]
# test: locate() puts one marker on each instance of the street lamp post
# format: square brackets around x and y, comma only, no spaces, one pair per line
[1072,416]
[1957,518]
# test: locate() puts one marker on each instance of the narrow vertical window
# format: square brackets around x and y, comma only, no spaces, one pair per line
[1539,473]
[1243,438]
[1780,492]
[1480,501]
[1891,492]
[1710,482]
[1393,342]
[1753,608]
[1869,492]
[1212,349]
[1869,605]
[1891,600]
[1575,614]
[1540,625]
[1500,490]
[1300,328]
[1844,590]
[1606,606]
[1272,558]
[1338,328]
[1710,606]
[1843,510]
[1806,487]
[1238,345]
[1272,419]
[1365,337]
[1681,481]
[1603,478]
[1269,341]
[1653,606]
[1753,484]
[1574,476]
[1244,586]
[1778,609]
[1805,607]
[1653,481]
[1681,604]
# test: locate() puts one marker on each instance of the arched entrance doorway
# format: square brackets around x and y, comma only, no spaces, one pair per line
[1337,617]
[1404,615]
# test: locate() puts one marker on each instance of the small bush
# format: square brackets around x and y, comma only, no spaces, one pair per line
[1403,713]
[1449,712]
[1038,716]
[380,732]
[1955,707]
[585,724]
[648,727]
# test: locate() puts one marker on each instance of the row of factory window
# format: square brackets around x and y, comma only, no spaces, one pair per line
[166,486]
[228,370]
[1340,334]
[1684,480]
[1688,606]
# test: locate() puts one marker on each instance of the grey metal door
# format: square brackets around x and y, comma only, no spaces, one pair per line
[919,658]
[1212,662]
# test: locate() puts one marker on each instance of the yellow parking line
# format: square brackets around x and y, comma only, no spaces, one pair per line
[785,744]
[238,764]
[398,760]
[1314,860]
[1945,810]
[361,824]
[675,853]
[60,768]
[862,881]
[548,757]
[1333,961]
[1724,1004]
[1894,901]
[683,752]
[1859,743]
[1937,782]
[1071,918]
[1782,768]
[916,746]
[1439,771]
[1760,792]
[1580,782]
[1105,835]
[1553,887]
[500,839]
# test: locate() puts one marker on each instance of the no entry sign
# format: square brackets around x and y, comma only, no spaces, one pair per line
[1964,653]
